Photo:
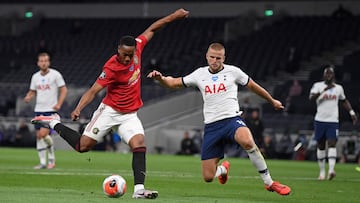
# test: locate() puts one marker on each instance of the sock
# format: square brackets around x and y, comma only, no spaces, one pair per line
[41,148]
[139,165]
[138,187]
[69,135]
[220,170]
[53,123]
[258,161]
[321,155]
[50,146]
[332,159]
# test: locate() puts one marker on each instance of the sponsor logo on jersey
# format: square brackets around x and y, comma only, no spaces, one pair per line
[135,77]
[215,88]
[329,97]
[43,87]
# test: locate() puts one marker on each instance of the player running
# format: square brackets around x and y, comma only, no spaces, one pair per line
[218,83]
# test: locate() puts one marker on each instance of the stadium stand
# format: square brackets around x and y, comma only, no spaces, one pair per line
[79,47]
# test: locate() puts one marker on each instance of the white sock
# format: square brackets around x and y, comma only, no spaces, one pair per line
[321,155]
[220,170]
[50,146]
[258,161]
[332,159]
[138,187]
[53,123]
[41,148]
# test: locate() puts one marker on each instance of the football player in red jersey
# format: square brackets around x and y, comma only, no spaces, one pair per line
[118,109]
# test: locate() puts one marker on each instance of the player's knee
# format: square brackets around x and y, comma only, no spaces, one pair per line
[137,141]
[85,146]
[208,176]
[83,149]
[208,179]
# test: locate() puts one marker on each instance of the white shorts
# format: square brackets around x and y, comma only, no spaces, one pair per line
[106,118]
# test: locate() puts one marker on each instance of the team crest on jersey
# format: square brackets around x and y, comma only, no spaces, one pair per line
[102,75]
[95,131]
[215,78]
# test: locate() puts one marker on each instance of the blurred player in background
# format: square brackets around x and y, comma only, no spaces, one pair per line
[46,84]
[121,76]
[327,95]
[218,83]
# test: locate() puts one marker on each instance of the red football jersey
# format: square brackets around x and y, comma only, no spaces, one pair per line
[123,82]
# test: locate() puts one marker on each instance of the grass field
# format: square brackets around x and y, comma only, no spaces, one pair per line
[78,178]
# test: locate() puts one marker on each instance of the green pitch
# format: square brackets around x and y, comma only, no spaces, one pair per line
[78,178]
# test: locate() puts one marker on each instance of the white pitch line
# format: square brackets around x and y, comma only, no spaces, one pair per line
[157,174]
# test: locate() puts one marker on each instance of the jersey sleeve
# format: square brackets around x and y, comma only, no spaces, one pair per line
[105,77]
[241,77]
[59,80]
[32,83]
[141,42]
[190,79]
[314,89]
[341,93]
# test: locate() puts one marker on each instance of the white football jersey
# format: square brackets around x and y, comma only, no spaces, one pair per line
[47,88]
[328,102]
[219,91]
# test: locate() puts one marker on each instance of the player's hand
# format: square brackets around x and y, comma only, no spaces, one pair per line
[57,107]
[156,75]
[181,13]
[27,99]
[329,87]
[277,105]
[75,115]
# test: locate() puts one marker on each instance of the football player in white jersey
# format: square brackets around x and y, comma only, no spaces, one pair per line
[327,95]
[46,84]
[218,84]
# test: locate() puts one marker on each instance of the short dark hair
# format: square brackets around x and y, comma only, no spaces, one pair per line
[127,41]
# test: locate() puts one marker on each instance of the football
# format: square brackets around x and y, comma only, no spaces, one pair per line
[114,186]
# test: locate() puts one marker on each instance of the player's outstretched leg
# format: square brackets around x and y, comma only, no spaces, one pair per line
[45,120]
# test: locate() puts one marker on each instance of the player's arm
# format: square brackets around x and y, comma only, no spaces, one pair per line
[166,81]
[29,95]
[63,92]
[257,89]
[346,104]
[313,96]
[86,98]
[178,14]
